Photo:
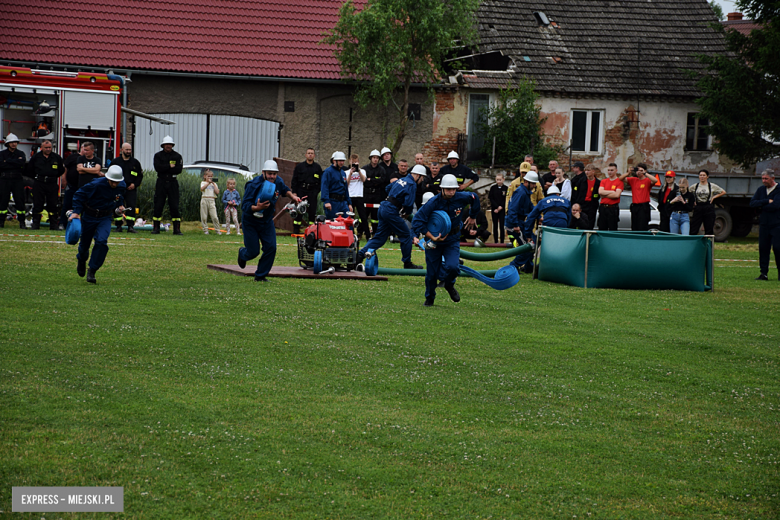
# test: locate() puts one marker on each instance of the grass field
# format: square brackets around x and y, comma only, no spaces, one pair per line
[207,395]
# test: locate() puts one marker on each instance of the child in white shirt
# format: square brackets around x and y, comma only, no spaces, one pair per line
[208,206]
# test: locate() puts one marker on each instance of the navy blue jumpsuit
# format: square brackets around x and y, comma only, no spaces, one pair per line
[768,226]
[258,226]
[520,206]
[334,192]
[400,196]
[447,251]
[96,202]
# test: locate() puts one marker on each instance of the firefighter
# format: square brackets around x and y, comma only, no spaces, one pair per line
[45,167]
[12,164]
[374,188]
[391,168]
[168,164]
[443,260]
[556,210]
[334,190]
[96,204]
[134,176]
[463,174]
[401,196]
[519,207]
[306,180]
[259,220]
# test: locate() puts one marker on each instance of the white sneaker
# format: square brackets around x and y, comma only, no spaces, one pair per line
[205,232]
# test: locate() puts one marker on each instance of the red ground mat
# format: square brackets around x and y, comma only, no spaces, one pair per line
[282,271]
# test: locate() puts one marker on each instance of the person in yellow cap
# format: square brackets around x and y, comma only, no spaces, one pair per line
[537,193]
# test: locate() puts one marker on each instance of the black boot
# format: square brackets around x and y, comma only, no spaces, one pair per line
[453,292]
[54,224]
[81,268]
[156,227]
[36,222]
[22,223]
[2,221]
[177,228]
[410,265]
[130,228]
[91,276]
[118,226]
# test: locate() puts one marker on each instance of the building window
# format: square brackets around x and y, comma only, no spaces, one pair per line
[479,104]
[586,131]
[697,136]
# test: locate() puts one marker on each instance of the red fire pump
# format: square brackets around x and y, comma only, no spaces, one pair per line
[329,244]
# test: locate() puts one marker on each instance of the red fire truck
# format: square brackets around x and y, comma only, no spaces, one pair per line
[64,107]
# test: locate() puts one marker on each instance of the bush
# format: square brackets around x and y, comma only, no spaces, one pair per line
[189,196]
[517,127]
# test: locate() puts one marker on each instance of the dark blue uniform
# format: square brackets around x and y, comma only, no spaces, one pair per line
[259,225]
[449,249]
[96,202]
[400,197]
[768,226]
[556,210]
[334,192]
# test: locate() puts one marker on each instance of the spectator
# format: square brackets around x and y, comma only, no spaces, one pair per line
[579,184]
[609,191]
[590,203]
[231,199]
[497,198]
[435,182]
[463,174]
[208,207]
[679,206]
[168,165]
[668,192]
[425,186]
[45,167]
[306,180]
[89,165]
[704,193]
[549,177]
[134,176]
[579,220]
[391,169]
[356,177]
[562,183]
[640,196]
[767,198]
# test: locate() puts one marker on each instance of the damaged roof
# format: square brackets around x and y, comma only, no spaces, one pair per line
[597,47]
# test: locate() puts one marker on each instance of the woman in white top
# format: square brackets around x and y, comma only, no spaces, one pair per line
[563,183]
[704,193]
[356,176]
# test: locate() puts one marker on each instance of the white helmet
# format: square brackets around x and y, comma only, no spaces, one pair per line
[553,190]
[449,181]
[115,173]
[531,177]
[339,156]
[373,153]
[11,139]
[270,166]
[167,140]
[419,169]
[428,195]
[386,150]
[453,155]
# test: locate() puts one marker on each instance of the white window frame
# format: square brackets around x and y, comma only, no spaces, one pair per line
[588,122]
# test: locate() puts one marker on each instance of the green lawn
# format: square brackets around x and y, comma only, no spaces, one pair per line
[208,395]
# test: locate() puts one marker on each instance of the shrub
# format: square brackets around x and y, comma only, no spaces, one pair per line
[189,196]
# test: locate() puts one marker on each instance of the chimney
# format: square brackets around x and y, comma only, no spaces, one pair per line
[734,17]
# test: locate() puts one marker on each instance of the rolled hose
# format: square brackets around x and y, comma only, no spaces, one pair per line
[499,255]
[421,272]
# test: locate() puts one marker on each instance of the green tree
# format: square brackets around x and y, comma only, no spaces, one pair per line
[515,123]
[742,87]
[391,44]
[718,10]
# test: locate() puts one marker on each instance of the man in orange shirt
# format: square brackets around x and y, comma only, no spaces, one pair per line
[609,192]
[640,196]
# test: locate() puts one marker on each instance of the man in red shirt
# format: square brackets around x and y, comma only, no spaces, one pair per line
[609,191]
[640,196]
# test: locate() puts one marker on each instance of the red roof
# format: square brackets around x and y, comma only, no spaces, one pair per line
[743,26]
[275,38]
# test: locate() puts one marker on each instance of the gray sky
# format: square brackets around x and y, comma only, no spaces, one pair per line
[727,6]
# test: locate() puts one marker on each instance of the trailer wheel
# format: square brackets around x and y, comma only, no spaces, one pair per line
[723,225]
[742,228]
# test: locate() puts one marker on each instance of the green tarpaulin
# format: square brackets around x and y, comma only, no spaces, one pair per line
[625,260]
